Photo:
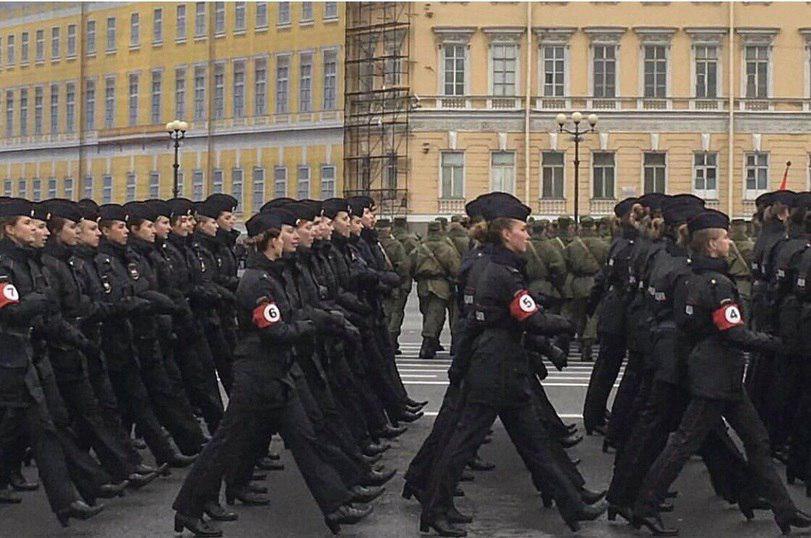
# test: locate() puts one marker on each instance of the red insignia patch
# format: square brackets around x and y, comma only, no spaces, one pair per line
[727,316]
[8,295]
[522,305]
[265,315]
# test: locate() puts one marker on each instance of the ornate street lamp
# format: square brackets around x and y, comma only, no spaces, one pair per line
[578,135]
[177,132]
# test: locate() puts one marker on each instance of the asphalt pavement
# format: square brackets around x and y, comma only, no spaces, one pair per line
[503,501]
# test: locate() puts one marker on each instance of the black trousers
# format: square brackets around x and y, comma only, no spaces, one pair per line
[136,406]
[799,463]
[605,372]
[196,364]
[221,352]
[171,407]
[522,425]
[659,416]
[631,396]
[700,418]
[782,403]
[233,439]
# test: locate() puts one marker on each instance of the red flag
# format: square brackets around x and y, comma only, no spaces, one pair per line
[785,177]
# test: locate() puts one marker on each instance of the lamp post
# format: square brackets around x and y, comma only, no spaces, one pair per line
[177,132]
[578,135]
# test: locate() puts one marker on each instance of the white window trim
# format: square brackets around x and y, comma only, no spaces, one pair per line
[706,37]
[806,33]
[757,37]
[464,174]
[555,37]
[447,35]
[749,195]
[540,174]
[604,35]
[515,168]
[591,173]
[642,169]
[652,36]
[703,193]
[501,36]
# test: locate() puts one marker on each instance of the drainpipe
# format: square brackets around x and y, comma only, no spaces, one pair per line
[78,181]
[731,107]
[527,103]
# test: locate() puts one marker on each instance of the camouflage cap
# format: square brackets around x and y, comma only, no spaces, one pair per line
[587,222]
[434,226]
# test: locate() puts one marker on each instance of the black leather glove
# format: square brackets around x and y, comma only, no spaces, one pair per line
[538,367]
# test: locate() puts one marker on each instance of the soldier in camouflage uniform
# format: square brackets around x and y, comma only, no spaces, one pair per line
[740,262]
[559,241]
[546,268]
[585,255]
[436,265]
[394,304]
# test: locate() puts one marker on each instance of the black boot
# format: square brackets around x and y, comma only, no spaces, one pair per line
[591,497]
[478,464]
[197,526]
[365,494]
[799,519]
[267,464]
[443,527]
[456,517]
[655,525]
[108,491]
[246,497]
[20,483]
[390,432]
[347,514]
[427,349]
[587,513]
[378,478]
[8,496]
[78,510]
[217,512]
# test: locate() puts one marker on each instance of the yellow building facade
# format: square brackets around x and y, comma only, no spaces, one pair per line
[89,87]
[705,97]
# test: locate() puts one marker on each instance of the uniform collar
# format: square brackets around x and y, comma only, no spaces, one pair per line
[113,249]
[57,249]
[504,256]
[700,262]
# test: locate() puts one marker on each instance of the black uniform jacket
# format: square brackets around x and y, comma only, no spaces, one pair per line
[267,333]
[611,285]
[712,331]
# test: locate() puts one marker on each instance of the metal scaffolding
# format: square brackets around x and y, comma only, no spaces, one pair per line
[377,103]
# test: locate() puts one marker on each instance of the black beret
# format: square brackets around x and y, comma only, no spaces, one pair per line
[784,197]
[503,205]
[653,200]
[358,204]
[276,202]
[65,209]
[709,218]
[160,208]
[140,211]
[180,207]
[16,207]
[262,222]
[624,207]
[112,212]
[331,206]
[89,209]
[681,199]
[40,211]
[679,213]
[206,209]
[765,199]
[316,205]
[474,208]
[301,210]
[223,202]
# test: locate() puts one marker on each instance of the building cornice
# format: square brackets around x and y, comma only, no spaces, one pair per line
[707,34]
[554,36]
[605,34]
[457,34]
[504,33]
[757,35]
[654,35]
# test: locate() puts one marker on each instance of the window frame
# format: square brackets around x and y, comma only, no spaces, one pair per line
[181,24]
[324,193]
[132,98]
[305,97]
[135,30]
[553,167]
[282,104]
[705,193]
[240,194]
[613,167]
[110,35]
[330,91]
[109,111]
[260,99]
[277,181]
[751,194]
[454,180]
[492,64]
[593,70]
[543,72]
[157,26]
[655,167]
[238,89]
[301,194]
[256,181]
[502,167]
[156,96]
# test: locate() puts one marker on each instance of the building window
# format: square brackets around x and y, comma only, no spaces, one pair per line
[55,38]
[200,19]
[605,70]
[655,170]
[197,186]
[504,69]
[157,26]
[330,79]
[305,81]
[24,48]
[219,18]
[219,91]
[280,181]
[261,14]
[655,71]
[306,12]
[284,13]
[327,182]
[199,93]
[40,44]
[10,50]
[90,37]
[236,185]
[330,10]
[71,40]
[603,175]
[157,78]
[453,174]
[239,16]
[22,189]
[130,192]
[38,110]
[706,71]
[7,188]
[303,185]
[135,30]
[36,190]
[109,103]
[70,107]
[502,171]
[154,184]
[90,105]
[180,18]
[258,198]
[552,175]
[52,187]
[54,109]
[282,80]
[705,175]
[239,89]
[757,174]
[757,72]
[23,112]
[106,189]
[88,187]
[554,65]
[67,188]
[110,34]
[180,93]
[216,181]
[454,56]
[9,113]
[133,99]
[260,78]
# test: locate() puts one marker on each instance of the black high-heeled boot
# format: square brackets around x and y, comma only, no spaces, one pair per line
[347,514]
[799,519]
[197,526]
[442,527]
[217,512]
[245,497]
[78,510]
